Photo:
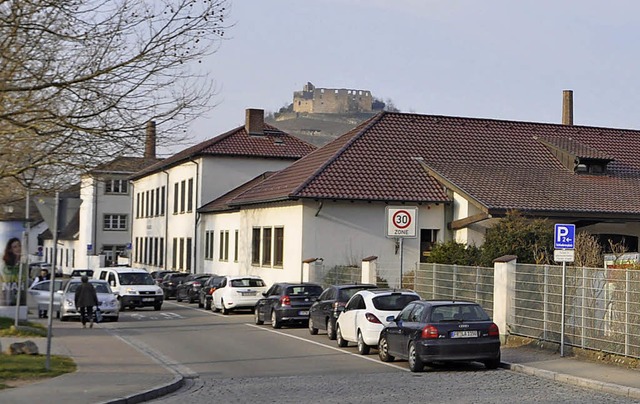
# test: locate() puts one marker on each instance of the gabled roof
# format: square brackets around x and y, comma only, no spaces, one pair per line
[124,165]
[501,165]
[274,144]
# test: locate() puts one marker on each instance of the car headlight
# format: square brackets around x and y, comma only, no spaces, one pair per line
[159,291]
[111,303]
[132,291]
[69,303]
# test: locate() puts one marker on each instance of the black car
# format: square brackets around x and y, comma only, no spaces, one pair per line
[207,290]
[433,331]
[170,283]
[159,275]
[286,303]
[325,311]
[189,288]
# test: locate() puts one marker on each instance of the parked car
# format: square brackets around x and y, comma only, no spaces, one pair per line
[39,296]
[189,288]
[441,331]
[324,313]
[367,313]
[170,283]
[133,286]
[108,301]
[159,275]
[286,303]
[207,289]
[237,292]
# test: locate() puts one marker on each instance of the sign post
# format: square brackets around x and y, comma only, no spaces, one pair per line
[564,238]
[401,223]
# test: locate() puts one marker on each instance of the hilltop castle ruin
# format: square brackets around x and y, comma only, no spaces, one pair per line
[331,100]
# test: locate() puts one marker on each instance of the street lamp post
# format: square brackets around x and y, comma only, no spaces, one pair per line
[24,259]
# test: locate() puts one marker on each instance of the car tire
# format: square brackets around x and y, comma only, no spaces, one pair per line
[122,307]
[207,304]
[178,298]
[493,363]
[342,343]
[363,349]
[331,329]
[415,363]
[383,350]
[200,304]
[256,316]
[275,323]
[312,329]
[157,307]
[223,310]
[191,300]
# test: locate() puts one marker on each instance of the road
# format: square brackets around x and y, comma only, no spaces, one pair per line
[230,359]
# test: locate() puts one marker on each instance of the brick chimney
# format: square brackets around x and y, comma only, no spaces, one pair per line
[567,107]
[150,141]
[254,123]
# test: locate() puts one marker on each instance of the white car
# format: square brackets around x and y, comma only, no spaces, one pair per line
[237,292]
[109,305]
[39,295]
[365,316]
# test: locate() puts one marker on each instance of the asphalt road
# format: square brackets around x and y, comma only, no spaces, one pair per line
[230,359]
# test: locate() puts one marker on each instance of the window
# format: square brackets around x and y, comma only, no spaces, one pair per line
[266,246]
[138,204]
[183,186]
[115,186]
[176,195]
[147,211]
[224,245]
[115,222]
[235,247]
[255,246]
[161,253]
[208,245]
[189,243]
[428,237]
[174,261]
[181,256]
[162,192]
[190,195]
[278,248]
[157,204]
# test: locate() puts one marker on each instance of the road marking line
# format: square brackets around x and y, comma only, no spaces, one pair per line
[330,347]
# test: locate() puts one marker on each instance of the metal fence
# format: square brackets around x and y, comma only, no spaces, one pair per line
[602,307]
[454,282]
[339,274]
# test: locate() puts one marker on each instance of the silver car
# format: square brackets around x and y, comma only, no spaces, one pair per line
[109,306]
[38,296]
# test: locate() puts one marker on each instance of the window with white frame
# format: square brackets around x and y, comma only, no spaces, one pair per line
[278,246]
[266,246]
[115,222]
[114,186]
[255,246]
[208,244]
[224,246]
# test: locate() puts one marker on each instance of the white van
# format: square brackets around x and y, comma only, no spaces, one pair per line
[134,287]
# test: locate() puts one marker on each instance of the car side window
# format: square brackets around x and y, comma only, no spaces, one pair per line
[416,314]
[112,279]
[354,303]
[405,314]
[324,295]
[331,294]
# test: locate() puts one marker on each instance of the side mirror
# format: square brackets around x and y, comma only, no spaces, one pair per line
[264,294]
[390,319]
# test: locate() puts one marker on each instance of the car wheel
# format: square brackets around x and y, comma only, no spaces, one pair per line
[223,309]
[122,307]
[363,349]
[341,341]
[331,329]
[213,307]
[493,363]
[415,363]
[178,298]
[383,350]
[190,300]
[57,314]
[275,323]
[157,307]
[256,315]
[207,304]
[312,329]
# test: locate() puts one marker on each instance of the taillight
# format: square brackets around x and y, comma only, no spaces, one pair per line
[339,305]
[493,330]
[430,332]
[285,301]
[372,318]
[196,283]
[212,290]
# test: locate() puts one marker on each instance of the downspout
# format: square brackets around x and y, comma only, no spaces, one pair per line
[94,234]
[197,219]
[166,222]
[131,220]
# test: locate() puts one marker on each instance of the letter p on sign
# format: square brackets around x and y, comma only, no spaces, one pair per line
[564,236]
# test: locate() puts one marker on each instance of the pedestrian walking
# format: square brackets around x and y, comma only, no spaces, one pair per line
[86,297]
[44,276]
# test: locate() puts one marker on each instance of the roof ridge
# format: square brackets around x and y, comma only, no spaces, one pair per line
[359,131]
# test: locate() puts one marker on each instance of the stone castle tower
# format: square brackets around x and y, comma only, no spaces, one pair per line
[331,100]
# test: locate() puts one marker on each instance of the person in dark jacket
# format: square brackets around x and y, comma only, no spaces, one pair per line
[86,298]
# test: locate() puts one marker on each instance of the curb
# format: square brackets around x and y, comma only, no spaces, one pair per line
[610,388]
[151,394]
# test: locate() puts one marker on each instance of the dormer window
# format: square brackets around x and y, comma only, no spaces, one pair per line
[577,157]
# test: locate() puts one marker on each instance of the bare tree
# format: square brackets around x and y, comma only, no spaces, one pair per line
[80,78]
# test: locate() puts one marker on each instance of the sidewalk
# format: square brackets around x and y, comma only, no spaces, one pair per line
[112,371]
[109,370]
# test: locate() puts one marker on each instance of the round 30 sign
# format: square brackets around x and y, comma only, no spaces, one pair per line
[401,221]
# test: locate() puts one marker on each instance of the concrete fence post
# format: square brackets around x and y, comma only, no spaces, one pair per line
[504,285]
[369,269]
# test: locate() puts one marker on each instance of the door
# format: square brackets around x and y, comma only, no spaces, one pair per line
[395,331]
[349,317]
[412,327]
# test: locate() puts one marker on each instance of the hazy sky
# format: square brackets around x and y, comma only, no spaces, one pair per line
[492,59]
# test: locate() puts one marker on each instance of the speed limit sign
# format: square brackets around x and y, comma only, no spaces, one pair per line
[401,221]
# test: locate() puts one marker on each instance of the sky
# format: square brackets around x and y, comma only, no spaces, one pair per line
[498,59]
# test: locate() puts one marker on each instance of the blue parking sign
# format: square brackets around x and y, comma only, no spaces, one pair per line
[564,236]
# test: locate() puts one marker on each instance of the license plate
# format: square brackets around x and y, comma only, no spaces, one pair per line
[303,313]
[249,293]
[464,334]
[148,299]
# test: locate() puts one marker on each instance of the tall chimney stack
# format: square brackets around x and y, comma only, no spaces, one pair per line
[254,122]
[567,107]
[150,141]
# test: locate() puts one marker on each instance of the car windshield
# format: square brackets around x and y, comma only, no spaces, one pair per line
[133,278]
[306,290]
[247,282]
[458,312]
[393,302]
[100,287]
